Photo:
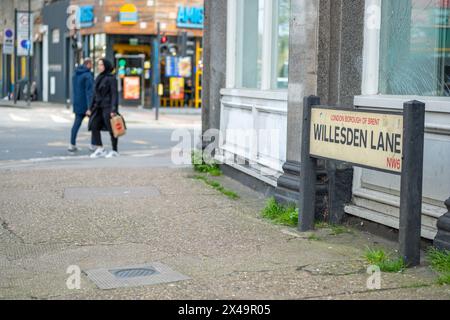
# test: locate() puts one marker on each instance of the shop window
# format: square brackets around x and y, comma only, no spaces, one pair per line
[97,48]
[280,56]
[415,48]
[250,27]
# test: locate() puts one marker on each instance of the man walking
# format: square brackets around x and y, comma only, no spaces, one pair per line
[83,91]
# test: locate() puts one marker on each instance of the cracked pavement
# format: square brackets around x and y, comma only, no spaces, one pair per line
[223,245]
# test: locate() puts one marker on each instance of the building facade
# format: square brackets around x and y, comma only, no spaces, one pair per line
[372,54]
[12,66]
[124,32]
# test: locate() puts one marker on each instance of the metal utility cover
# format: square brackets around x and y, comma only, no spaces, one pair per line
[134,276]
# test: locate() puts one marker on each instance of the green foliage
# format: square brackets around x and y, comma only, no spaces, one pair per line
[279,214]
[384,261]
[335,229]
[313,237]
[201,166]
[440,262]
[217,186]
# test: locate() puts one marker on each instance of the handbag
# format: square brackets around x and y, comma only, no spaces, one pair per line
[118,126]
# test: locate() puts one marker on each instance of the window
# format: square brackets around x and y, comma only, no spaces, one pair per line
[250,29]
[261,45]
[415,48]
[97,48]
[280,58]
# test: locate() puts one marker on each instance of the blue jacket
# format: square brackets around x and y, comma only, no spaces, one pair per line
[83,90]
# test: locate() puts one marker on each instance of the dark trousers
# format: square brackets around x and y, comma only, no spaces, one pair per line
[103,119]
[76,128]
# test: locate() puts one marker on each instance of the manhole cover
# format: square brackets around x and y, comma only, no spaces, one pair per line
[134,273]
[134,276]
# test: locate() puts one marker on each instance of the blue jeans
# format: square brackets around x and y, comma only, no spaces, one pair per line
[76,127]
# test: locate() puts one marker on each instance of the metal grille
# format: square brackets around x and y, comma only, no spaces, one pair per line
[134,276]
[133,273]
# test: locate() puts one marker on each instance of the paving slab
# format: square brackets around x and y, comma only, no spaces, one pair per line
[53,218]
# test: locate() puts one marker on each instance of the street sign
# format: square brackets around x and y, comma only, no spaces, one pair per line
[8,41]
[23,31]
[367,139]
[391,142]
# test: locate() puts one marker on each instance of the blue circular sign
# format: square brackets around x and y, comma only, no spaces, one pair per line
[8,33]
[24,44]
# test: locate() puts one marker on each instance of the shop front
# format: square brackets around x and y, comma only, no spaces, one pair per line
[124,33]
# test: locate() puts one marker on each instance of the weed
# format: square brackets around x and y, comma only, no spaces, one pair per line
[217,186]
[384,261]
[313,237]
[279,214]
[201,166]
[440,262]
[335,229]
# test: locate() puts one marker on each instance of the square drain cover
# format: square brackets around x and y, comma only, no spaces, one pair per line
[134,276]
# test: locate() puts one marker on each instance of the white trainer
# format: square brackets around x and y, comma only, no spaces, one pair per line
[99,153]
[112,154]
[72,149]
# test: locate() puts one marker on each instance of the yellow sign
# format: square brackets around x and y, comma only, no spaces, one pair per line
[176,88]
[128,14]
[368,139]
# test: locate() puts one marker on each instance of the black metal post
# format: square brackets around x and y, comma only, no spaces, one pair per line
[308,171]
[183,43]
[411,184]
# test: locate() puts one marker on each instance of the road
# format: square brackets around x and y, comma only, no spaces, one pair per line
[43,133]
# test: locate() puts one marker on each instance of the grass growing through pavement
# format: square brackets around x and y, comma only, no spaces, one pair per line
[384,261]
[201,166]
[440,262]
[313,237]
[335,229]
[279,214]
[217,186]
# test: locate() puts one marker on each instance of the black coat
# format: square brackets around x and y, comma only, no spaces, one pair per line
[105,101]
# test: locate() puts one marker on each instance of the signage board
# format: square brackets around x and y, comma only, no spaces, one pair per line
[24,45]
[8,41]
[128,14]
[131,88]
[190,17]
[172,66]
[185,67]
[373,140]
[382,141]
[86,16]
[176,88]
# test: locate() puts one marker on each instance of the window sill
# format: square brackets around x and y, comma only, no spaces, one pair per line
[279,95]
[433,104]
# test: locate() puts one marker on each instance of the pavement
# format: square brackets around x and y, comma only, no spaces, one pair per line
[58,212]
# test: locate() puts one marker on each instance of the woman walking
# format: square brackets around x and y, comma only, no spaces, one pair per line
[105,105]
